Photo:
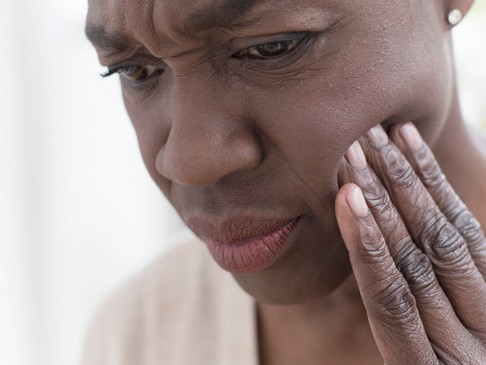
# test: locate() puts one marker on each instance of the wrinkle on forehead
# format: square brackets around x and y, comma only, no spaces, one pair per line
[166,23]
[190,18]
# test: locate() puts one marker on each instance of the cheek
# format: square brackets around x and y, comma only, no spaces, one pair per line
[312,123]
[312,127]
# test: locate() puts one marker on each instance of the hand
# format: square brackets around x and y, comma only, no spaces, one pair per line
[418,254]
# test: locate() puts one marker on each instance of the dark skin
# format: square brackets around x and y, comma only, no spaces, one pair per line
[223,132]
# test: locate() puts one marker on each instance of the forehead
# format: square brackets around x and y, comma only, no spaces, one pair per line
[156,22]
[162,25]
[124,16]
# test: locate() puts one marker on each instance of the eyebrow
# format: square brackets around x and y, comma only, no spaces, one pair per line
[219,14]
[108,40]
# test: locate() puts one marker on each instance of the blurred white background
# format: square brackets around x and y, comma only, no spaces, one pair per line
[78,212]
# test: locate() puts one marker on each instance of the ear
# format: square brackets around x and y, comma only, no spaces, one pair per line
[451,8]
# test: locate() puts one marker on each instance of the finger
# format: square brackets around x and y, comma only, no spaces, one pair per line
[436,312]
[430,229]
[392,312]
[426,167]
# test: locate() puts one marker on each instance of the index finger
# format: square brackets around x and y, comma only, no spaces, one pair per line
[392,312]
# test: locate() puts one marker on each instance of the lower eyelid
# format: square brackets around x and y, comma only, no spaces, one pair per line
[141,91]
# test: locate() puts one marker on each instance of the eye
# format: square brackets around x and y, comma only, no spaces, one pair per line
[133,73]
[268,50]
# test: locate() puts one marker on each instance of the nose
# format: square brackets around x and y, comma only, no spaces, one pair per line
[204,143]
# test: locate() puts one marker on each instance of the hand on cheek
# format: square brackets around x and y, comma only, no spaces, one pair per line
[418,254]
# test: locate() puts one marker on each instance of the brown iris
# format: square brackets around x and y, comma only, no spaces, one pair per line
[269,50]
[138,73]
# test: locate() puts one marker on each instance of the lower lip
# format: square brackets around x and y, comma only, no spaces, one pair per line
[256,253]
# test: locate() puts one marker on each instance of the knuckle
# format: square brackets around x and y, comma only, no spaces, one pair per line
[388,218]
[446,244]
[373,249]
[405,250]
[430,172]
[383,209]
[468,226]
[395,305]
[398,172]
[377,196]
[403,175]
[419,273]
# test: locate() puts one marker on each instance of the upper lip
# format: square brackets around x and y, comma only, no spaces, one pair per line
[236,229]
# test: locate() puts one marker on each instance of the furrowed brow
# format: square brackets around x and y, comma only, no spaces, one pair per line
[221,13]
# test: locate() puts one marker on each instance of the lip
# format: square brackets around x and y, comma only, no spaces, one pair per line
[246,244]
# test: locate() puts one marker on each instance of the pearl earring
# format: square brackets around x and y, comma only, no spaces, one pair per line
[454,17]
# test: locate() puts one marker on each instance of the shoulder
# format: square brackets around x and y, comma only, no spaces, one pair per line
[166,278]
[161,309]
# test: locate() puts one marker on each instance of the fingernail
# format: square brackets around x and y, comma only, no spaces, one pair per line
[355,156]
[357,203]
[411,136]
[378,136]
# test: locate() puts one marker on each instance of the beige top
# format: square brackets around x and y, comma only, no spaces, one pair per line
[182,310]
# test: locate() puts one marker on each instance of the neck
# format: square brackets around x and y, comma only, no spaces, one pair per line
[322,329]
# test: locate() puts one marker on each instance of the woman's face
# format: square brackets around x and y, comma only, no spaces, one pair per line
[242,138]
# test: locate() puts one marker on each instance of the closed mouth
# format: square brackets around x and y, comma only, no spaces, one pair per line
[246,245]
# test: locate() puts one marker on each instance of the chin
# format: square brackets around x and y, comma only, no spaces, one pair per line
[309,273]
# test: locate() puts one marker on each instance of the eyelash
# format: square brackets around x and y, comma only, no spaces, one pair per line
[120,70]
[111,71]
